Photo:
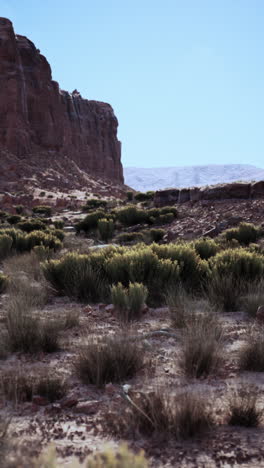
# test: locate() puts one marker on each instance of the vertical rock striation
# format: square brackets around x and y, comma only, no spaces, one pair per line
[38,118]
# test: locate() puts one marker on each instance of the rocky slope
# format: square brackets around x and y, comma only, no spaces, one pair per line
[189,176]
[44,128]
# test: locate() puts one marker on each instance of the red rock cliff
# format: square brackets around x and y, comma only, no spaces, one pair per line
[36,117]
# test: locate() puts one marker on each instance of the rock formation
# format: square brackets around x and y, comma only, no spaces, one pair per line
[43,126]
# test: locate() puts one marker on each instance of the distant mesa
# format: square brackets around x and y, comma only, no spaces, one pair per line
[47,128]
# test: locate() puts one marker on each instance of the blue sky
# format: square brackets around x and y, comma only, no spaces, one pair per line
[185,77]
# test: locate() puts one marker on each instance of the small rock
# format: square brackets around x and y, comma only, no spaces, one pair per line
[87,407]
[110,308]
[111,389]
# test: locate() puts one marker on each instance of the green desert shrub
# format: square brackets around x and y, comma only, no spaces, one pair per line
[106,229]
[241,264]
[120,458]
[144,196]
[129,196]
[3,283]
[13,219]
[41,238]
[6,242]
[245,233]
[243,407]
[32,225]
[156,235]
[166,218]
[93,204]
[178,415]
[192,270]
[129,301]
[206,248]
[19,209]
[3,215]
[131,215]
[58,224]
[42,210]
[129,237]
[110,359]
[57,233]
[76,276]
[90,222]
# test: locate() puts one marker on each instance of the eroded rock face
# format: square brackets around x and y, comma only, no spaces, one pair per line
[37,118]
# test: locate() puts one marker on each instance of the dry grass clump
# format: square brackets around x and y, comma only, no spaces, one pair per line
[71,320]
[253,299]
[18,385]
[27,263]
[3,283]
[180,416]
[251,356]
[109,359]
[202,346]
[180,307]
[26,331]
[243,407]
[224,292]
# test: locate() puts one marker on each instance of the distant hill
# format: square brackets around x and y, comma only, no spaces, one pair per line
[156,178]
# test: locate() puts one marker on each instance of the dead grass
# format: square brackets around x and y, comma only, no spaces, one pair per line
[243,408]
[181,307]
[251,356]
[253,299]
[26,331]
[72,319]
[202,346]
[19,385]
[27,263]
[109,359]
[180,416]
[224,292]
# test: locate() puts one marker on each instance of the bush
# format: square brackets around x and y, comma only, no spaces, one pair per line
[244,234]
[120,458]
[129,302]
[131,215]
[93,204]
[106,229]
[181,415]
[206,248]
[57,233]
[5,245]
[19,209]
[13,219]
[42,210]
[31,225]
[243,409]
[165,218]
[251,356]
[129,237]
[144,196]
[192,270]
[3,283]
[76,276]
[202,346]
[58,224]
[129,196]
[109,359]
[156,234]
[90,222]
[241,264]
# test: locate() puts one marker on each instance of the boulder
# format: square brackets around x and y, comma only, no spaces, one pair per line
[166,197]
[257,189]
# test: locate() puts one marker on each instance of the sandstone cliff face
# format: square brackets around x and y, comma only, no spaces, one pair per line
[37,118]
